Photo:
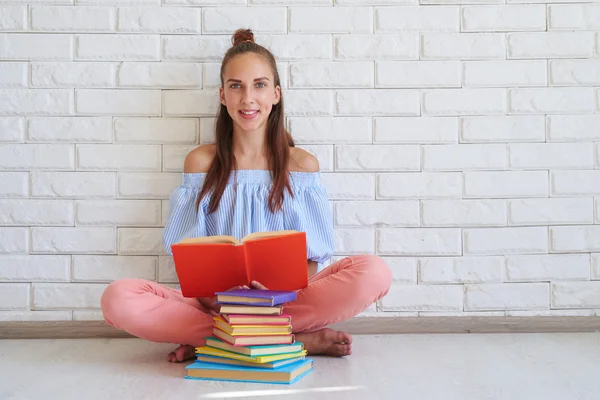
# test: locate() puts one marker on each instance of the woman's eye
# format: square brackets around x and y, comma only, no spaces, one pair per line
[234,85]
[261,83]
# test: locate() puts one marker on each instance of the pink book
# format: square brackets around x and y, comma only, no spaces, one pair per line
[241,319]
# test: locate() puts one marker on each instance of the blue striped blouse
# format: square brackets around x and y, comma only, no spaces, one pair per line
[244,209]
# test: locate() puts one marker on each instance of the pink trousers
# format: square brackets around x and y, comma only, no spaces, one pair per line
[157,313]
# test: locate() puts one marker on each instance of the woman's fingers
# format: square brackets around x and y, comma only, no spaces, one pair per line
[257,285]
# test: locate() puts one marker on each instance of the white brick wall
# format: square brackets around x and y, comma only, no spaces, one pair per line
[456,138]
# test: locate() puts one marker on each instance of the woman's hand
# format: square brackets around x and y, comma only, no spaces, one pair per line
[257,285]
[210,303]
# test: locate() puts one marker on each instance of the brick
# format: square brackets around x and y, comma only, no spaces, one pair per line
[459,157]
[462,46]
[13,75]
[147,185]
[86,315]
[332,75]
[308,102]
[72,19]
[419,241]
[552,211]
[160,75]
[66,295]
[30,316]
[347,2]
[37,156]
[550,313]
[14,296]
[404,269]
[419,185]
[550,267]
[499,241]
[563,128]
[418,74]
[111,268]
[551,100]
[486,129]
[119,2]
[73,184]
[71,75]
[333,130]
[117,47]
[156,130]
[503,18]
[119,213]
[159,20]
[194,48]
[509,73]
[12,129]
[226,20]
[119,102]
[461,213]
[73,240]
[380,102]
[207,130]
[574,239]
[331,20]
[551,155]
[442,270]
[292,2]
[575,183]
[69,129]
[36,212]
[575,294]
[140,241]
[507,296]
[166,270]
[377,213]
[423,298]
[165,212]
[574,16]
[505,184]
[349,186]
[323,153]
[550,45]
[378,157]
[36,102]
[416,19]
[13,18]
[115,157]
[574,72]
[595,267]
[463,101]
[377,47]
[14,240]
[354,240]
[26,268]
[14,184]
[446,2]
[17,46]
[174,157]
[421,130]
[191,102]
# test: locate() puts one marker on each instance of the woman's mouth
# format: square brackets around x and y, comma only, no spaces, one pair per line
[248,114]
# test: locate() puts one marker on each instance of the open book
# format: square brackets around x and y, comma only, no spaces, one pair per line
[277,259]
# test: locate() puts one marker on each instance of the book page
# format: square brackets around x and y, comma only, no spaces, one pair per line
[261,235]
[211,239]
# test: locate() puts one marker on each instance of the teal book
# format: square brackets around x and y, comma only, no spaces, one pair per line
[269,365]
[254,351]
[287,374]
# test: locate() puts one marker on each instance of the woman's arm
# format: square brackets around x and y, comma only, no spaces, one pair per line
[313,267]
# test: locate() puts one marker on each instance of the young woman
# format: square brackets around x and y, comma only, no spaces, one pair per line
[252,179]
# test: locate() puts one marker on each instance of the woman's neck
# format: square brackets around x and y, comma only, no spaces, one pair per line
[250,150]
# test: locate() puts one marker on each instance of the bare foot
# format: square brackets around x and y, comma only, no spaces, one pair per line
[326,341]
[182,353]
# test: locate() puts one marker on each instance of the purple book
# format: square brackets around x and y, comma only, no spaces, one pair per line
[255,297]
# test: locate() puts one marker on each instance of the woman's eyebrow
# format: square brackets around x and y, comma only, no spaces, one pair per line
[257,79]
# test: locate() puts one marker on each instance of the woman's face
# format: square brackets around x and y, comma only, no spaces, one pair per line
[249,92]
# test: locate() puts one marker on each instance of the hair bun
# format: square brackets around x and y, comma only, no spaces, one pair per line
[241,36]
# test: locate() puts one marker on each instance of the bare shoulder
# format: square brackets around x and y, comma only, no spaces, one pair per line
[199,159]
[302,161]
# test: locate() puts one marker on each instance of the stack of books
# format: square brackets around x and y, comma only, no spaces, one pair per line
[252,341]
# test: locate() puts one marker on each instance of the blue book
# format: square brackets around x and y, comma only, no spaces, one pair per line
[287,374]
[255,297]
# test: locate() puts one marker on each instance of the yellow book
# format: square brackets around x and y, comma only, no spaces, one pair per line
[211,351]
[251,330]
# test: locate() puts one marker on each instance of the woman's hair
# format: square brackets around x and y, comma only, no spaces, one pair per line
[278,138]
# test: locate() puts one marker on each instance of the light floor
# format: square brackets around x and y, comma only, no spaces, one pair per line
[444,366]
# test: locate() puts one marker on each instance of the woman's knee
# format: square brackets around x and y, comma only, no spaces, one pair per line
[376,271]
[114,299]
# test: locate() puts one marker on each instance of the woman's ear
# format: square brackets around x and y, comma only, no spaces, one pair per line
[277,94]
[222,96]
